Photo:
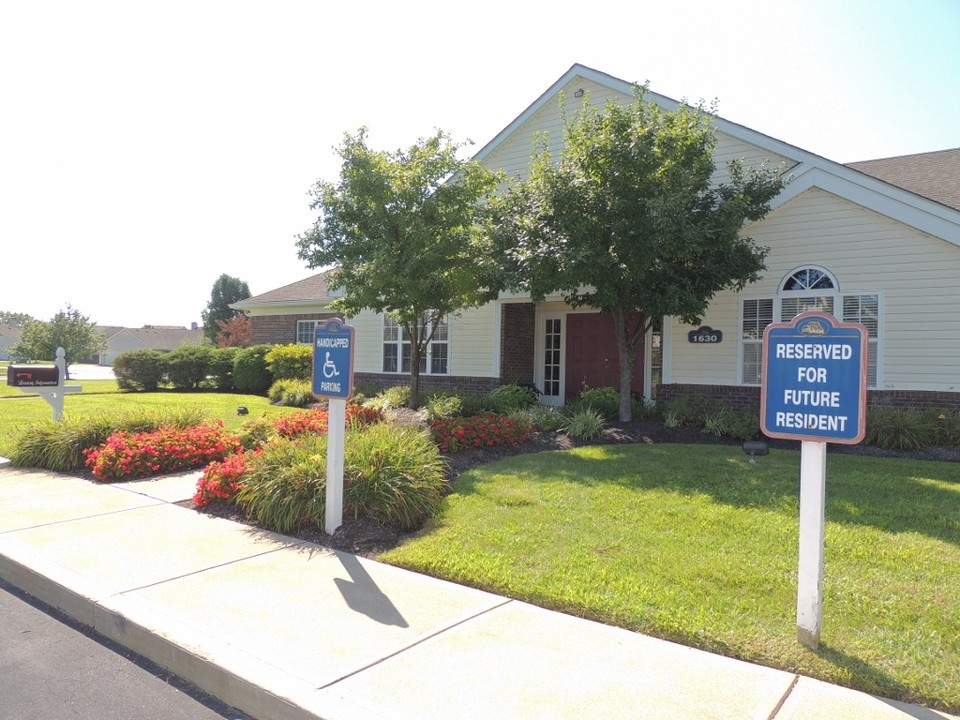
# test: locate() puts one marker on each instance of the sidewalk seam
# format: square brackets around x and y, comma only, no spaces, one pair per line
[779,706]
[82,517]
[412,645]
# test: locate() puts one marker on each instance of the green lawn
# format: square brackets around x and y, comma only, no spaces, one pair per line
[694,544]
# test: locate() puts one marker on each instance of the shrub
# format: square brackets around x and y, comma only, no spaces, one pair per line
[692,410]
[290,362]
[284,485]
[397,396]
[292,393]
[250,373]
[221,480]
[167,449]
[604,400]
[945,426]
[898,429]
[510,397]
[220,367]
[188,365]
[442,405]
[546,418]
[394,475]
[744,425]
[483,430]
[642,410]
[139,370]
[255,432]
[584,424]
[59,446]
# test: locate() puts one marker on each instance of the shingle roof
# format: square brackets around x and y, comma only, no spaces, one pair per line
[311,289]
[935,175]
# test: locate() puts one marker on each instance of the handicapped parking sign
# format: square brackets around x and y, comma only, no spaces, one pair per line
[333,360]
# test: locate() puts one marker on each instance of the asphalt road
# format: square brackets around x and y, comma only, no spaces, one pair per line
[51,668]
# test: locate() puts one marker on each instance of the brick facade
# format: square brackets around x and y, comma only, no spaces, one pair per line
[748,398]
[280,329]
[517,337]
[428,383]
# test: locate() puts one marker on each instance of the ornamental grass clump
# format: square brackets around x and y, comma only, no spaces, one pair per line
[394,475]
[284,484]
[127,455]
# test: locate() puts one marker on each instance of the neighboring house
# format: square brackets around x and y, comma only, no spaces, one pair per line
[876,242]
[288,314]
[149,337]
[9,335]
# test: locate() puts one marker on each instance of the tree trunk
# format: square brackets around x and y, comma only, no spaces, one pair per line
[416,350]
[629,334]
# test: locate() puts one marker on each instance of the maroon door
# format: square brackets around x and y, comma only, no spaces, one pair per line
[592,357]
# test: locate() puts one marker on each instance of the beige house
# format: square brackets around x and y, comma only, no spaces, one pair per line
[876,242]
[149,337]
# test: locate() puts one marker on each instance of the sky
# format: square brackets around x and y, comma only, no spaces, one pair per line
[146,148]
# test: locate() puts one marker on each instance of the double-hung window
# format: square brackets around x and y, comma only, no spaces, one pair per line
[809,288]
[305,331]
[397,350]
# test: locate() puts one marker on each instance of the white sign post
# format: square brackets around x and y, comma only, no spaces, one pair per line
[333,380]
[813,389]
[47,381]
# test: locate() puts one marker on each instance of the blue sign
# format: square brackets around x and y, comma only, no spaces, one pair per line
[814,380]
[333,360]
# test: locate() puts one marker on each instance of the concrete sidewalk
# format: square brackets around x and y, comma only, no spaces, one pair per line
[283,629]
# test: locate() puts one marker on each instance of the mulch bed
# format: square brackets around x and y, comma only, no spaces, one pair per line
[367,537]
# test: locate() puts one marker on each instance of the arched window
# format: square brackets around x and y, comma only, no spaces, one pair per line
[808,278]
[809,287]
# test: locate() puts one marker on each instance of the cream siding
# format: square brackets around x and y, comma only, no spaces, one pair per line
[473,350]
[710,364]
[368,351]
[914,273]
[474,342]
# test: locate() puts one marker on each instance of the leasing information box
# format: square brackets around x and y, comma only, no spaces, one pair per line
[814,380]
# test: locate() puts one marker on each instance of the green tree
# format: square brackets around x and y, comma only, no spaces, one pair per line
[628,220]
[404,231]
[226,290]
[16,318]
[69,329]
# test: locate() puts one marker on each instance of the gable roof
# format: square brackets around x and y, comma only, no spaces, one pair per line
[806,170]
[935,175]
[156,337]
[309,291]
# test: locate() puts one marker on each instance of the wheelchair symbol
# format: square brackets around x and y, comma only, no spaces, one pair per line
[329,368]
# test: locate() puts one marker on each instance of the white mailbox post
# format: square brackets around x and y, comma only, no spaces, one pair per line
[47,381]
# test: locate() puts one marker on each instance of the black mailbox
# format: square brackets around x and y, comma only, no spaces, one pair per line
[33,375]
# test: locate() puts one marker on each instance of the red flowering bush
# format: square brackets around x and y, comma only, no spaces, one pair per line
[315,421]
[484,430]
[167,449]
[221,479]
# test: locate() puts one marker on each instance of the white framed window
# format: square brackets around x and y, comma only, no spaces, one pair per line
[305,331]
[397,349]
[807,288]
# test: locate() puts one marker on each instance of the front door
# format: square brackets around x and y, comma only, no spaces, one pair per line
[592,358]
